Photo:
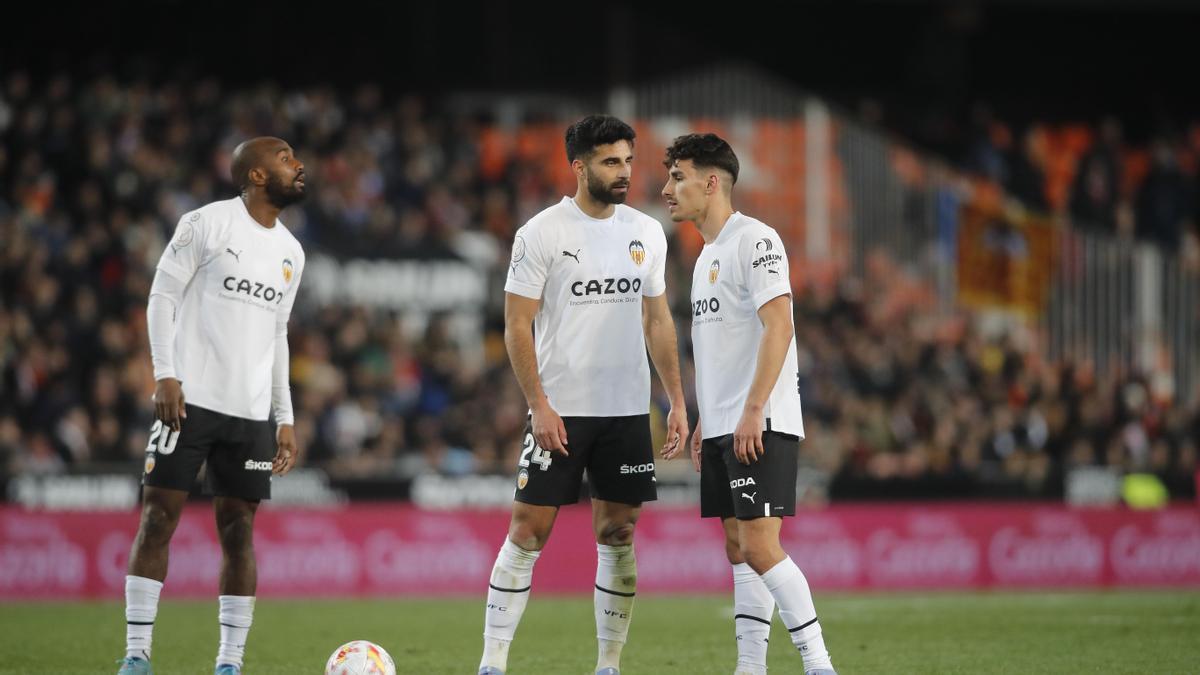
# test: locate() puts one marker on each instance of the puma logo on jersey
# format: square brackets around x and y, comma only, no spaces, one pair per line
[575,255]
[236,256]
[750,496]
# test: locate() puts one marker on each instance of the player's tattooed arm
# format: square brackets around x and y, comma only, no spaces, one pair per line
[548,429]
[659,327]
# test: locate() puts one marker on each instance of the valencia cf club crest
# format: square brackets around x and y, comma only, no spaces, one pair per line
[287,271]
[637,252]
[714,270]
[522,479]
[149,462]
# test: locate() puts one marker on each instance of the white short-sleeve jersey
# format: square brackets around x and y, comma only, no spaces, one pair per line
[590,276]
[240,278]
[744,268]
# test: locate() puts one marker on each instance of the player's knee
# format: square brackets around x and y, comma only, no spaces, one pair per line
[760,555]
[615,534]
[158,521]
[528,536]
[235,527]
[733,551]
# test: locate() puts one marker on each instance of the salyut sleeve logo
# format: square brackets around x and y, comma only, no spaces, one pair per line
[637,252]
[288,270]
[714,270]
[767,258]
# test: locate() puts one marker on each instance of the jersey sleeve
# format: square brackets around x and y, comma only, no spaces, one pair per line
[166,294]
[529,265]
[764,265]
[281,392]
[187,250]
[656,283]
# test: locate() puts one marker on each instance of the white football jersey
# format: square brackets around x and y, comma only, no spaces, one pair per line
[240,278]
[590,276]
[735,276]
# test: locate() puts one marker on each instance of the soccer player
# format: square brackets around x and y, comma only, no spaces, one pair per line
[217,316]
[746,441]
[588,275]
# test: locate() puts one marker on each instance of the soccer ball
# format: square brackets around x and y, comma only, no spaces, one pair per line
[360,658]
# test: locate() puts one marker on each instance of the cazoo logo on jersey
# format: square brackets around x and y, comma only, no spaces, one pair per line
[254,289]
[610,286]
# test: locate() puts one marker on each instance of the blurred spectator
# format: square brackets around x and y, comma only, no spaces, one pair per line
[1164,203]
[1095,193]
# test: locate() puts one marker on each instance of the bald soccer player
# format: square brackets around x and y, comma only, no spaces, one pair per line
[217,318]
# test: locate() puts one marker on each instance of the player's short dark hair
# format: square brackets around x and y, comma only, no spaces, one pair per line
[708,150]
[583,136]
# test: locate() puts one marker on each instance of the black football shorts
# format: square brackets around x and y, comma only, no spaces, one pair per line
[766,487]
[616,452]
[238,451]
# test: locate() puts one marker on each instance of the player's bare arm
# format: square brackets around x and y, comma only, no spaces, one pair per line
[659,327]
[168,402]
[776,317]
[548,428]
[289,451]
[696,444]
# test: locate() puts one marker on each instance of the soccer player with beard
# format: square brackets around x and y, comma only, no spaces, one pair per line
[584,299]
[217,317]
[748,436]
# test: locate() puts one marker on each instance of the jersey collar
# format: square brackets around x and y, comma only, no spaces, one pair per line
[729,226]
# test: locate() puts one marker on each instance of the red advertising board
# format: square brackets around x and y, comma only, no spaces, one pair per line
[391,550]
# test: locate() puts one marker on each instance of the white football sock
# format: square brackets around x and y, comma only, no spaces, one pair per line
[616,584]
[753,608]
[141,608]
[790,590]
[236,615]
[508,593]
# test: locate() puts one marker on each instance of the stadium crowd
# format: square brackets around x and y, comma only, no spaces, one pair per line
[1091,174]
[95,174]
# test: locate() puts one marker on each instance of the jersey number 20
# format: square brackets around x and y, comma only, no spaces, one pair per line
[540,457]
[162,439]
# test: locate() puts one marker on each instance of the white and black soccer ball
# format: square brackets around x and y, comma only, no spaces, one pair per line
[360,657]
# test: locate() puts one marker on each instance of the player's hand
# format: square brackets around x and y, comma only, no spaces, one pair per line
[288,452]
[677,432]
[168,402]
[747,437]
[548,430]
[697,443]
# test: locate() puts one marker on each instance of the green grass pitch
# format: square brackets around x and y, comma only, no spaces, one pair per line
[997,632]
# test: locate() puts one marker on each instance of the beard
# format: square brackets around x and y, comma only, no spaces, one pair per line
[282,195]
[604,193]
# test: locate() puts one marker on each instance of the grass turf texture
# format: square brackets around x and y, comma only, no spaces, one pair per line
[999,632]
